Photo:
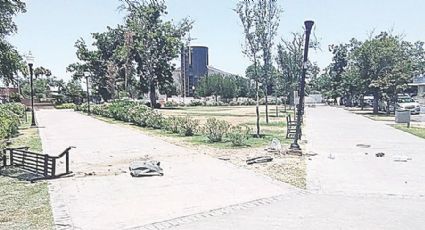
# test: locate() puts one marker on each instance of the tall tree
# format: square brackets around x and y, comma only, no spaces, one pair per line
[10,60]
[156,42]
[266,23]
[246,12]
[289,61]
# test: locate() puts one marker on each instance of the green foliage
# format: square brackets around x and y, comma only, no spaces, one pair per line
[173,124]
[239,135]
[66,106]
[188,126]
[215,129]
[10,115]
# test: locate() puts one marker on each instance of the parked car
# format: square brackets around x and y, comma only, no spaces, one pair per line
[403,103]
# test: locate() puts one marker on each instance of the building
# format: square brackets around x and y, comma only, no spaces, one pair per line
[419,82]
[194,66]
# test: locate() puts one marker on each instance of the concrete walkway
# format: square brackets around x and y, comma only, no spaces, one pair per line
[103,195]
[342,166]
[347,189]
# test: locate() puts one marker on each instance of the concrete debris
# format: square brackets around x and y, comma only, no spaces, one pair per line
[401,158]
[224,158]
[380,154]
[332,157]
[363,146]
[274,146]
[262,159]
[145,168]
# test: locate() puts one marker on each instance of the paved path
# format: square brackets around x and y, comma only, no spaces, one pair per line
[343,167]
[351,191]
[112,199]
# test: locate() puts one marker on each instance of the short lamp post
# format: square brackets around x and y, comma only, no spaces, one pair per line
[193,90]
[87,75]
[30,61]
[308,27]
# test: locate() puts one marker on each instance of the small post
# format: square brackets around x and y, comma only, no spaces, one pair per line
[4,160]
[67,162]
[53,167]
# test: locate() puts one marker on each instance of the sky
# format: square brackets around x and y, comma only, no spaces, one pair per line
[50,28]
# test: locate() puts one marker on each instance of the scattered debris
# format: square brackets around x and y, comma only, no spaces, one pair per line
[294,152]
[224,158]
[274,146]
[332,157]
[366,153]
[90,174]
[145,168]
[262,159]
[401,158]
[363,146]
[380,154]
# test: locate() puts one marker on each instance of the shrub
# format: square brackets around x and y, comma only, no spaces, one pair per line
[195,103]
[215,129]
[234,103]
[173,124]
[238,135]
[154,119]
[10,115]
[188,126]
[171,104]
[65,106]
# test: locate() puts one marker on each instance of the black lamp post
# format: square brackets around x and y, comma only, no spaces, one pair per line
[300,111]
[87,75]
[30,61]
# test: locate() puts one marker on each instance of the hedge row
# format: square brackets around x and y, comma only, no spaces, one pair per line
[10,119]
[141,115]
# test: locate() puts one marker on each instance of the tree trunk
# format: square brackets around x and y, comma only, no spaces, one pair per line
[152,95]
[277,106]
[257,110]
[267,106]
[388,106]
[375,102]
[362,102]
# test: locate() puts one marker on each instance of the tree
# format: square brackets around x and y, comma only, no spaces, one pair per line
[41,71]
[384,66]
[266,24]
[246,12]
[289,61]
[156,42]
[10,60]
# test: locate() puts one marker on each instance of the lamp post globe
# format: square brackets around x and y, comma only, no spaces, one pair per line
[30,61]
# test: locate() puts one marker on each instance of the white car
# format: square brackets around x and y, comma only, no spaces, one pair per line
[407,103]
[403,103]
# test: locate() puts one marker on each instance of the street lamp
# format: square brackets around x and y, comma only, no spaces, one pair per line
[87,75]
[30,61]
[295,145]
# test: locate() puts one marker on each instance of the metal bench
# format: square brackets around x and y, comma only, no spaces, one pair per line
[291,128]
[42,165]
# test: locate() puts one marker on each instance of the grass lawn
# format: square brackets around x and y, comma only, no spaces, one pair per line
[24,205]
[417,131]
[235,115]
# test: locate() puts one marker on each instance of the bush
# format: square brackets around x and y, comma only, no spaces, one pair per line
[171,104]
[234,103]
[215,129]
[10,115]
[66,106]
[188,126]
[172,124]
[238,135]
[195,103]
[154,119]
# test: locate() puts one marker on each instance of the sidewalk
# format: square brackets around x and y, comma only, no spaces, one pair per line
[111,199]
[343,167]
